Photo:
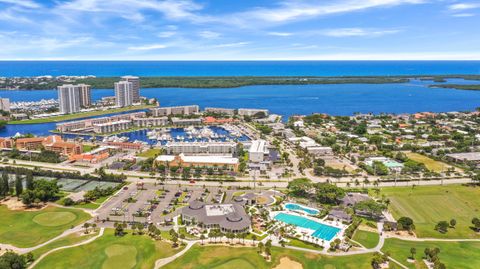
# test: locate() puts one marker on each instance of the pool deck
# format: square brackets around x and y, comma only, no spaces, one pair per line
[305,231]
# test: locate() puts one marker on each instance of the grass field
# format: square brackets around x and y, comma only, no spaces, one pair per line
[150,153]
[64,241]
[465,255]
[30,228]
[367,239]
[431,164]
[110,252]
[80,115]
[427,205]
[216,257]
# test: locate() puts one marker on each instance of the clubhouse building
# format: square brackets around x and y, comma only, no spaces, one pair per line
[229,218]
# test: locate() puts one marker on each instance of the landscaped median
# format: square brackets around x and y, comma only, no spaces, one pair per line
[80,115]
[30,228]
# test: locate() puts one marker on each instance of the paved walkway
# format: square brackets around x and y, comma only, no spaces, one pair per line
[161,262]
[65,247]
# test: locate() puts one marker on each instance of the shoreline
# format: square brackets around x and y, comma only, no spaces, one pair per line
[213,82]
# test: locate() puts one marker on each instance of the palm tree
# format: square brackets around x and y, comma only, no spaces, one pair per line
[202,237]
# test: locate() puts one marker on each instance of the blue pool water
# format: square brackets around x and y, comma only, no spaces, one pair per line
[322,231]
[298,207]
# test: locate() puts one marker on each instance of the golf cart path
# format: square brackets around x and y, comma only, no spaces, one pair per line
[65,247]
[161,262]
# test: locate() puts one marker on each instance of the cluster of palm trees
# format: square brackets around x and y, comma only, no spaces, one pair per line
[218,234]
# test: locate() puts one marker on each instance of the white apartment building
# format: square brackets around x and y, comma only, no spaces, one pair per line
[123,93]
[111,127]
[135,87]
[69,98]
[5,104]
[258,150]
[193,148]
[175,110]
[218,110]
[147,122]
[252,111]
[85,95]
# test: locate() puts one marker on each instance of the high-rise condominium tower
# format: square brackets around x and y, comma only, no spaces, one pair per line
[123,93]
[136,87]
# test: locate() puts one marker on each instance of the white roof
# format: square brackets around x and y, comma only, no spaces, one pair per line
[258,146]
[199,159]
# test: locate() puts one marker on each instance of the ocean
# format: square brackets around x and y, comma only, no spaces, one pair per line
[286,100]
[236,68]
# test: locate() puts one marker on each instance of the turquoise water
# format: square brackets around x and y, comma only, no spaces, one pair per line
[301,208]
[322,231]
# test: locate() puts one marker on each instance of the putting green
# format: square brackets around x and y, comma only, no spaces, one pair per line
[236,263]
[329,266]
[52,219]
[120,256]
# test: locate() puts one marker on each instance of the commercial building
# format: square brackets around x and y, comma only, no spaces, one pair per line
[175,110]
[217,110]
[135,87]
[258,150]
[214,162]
[465,157]
[69,98]
[123,93]
[5,104]
[214,148]
[229,218]
[252,112]
[85,95]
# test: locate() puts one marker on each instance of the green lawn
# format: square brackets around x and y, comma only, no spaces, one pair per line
[64,241]
[215,257]
[80,115]
[302,244]
[150,153]
[110,252]
[366,238]
[30,228]
[465,255]
[428,205]
[431,164]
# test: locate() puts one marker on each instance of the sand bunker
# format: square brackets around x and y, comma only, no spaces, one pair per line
[286,263]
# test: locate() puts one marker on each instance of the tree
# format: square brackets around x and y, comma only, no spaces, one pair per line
[5,188]
[86,225]
[405,223]
[11,260]
[328,193]
[300,186]
[18,185]
[476,224]
[453,222]
[442,226]
[260,247]
[202,237]
[29,179]
[413,251]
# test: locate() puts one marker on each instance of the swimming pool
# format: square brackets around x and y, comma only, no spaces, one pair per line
[321,230]
[298,207]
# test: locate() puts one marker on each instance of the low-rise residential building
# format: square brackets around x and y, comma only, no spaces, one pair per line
[193,148]
[217,110]
[186,122]
[249,112]
[6,143]
[110,127]
[149,122]
[214,162]
[175,110]
[52,143]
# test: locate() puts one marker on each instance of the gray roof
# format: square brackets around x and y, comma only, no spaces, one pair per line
[236,220]
[352,198]
[339,214]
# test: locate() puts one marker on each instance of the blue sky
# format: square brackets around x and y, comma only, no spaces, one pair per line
[239,30]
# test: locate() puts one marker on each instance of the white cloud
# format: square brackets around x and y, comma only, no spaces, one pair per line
[463,6]
[231,45]
[148,47]
[209,34]
[351,32]
[21,3]
[280,33]
[166,34]
[301,10]
[463,15]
